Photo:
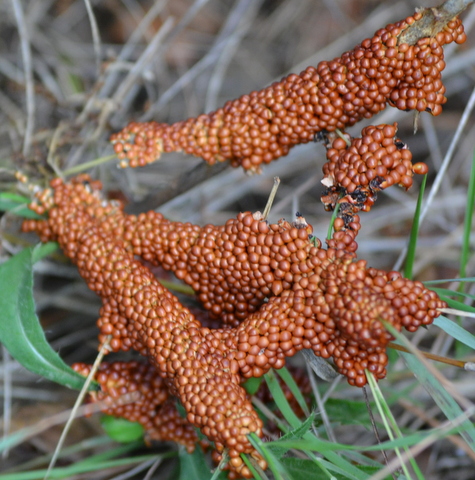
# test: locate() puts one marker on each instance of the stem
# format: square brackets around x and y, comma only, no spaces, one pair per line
[272,194]
[433,20]
[431,356]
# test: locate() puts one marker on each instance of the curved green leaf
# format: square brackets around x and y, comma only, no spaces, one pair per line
[17,204]
[20,329]
[121,430]
[193,465]
[455,331]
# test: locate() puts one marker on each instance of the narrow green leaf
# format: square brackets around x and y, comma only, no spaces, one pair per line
[280,400]
[17,204]
[391,426]
[273,462]
[455,331]
[411,249]
[451,293]
[332,221]
[286,376]
[121,430]
[458,305]
[467,228]
[303,469]
[193,465]
[20,329]
[77,469]
[251,385]
[441,397]
[256,475]
[347,412]
[448,280]
[43,250]
[299,432]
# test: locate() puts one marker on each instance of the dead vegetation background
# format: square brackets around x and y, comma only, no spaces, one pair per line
[74,71]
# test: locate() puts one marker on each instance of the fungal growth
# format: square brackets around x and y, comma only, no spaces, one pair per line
[319,299]
[260,127]
[271,289]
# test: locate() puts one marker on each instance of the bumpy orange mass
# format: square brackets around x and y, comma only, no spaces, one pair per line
[319,299]
[264,125]
[273,288]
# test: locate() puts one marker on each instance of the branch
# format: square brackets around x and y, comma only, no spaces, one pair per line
[433,20]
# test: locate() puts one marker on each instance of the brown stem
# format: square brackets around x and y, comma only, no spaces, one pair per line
[433,20]
[431,356]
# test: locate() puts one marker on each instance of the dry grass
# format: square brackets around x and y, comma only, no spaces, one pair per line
[72,72]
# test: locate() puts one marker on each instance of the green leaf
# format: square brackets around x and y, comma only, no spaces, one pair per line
[193,465]
[80,468]
[286,376]
[302,469]
[280,400]
[17,204]
[273,462]
[297,433]
[451,293]
[251,385]
[121,430]
[441,397]
[455,331]
[20,329]
[347,412]
[43,250]
[411,249]
[449,280]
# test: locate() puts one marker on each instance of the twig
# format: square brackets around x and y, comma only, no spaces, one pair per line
[423,444]
[431,356]
[96,38]
[375,428]
[419,412]
[433,21]
[82,393]
[272,194]
[28,71]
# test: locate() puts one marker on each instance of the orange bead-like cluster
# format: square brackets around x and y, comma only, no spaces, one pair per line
[135,391]
[317,299]
[358,168]
[262,126]
[377,158]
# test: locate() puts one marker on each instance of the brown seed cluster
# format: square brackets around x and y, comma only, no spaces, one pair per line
[325,301]
[263,126]
[206,382]
[358,168]
[378,156]
[135,391]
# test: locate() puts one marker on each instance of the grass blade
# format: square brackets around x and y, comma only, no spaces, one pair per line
[17,204]
[455,331]
[467,227]
[441,397]
[411,249]
[285,375]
